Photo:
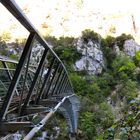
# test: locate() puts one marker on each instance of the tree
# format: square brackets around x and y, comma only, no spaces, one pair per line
[123,67]
[88,126]
[137,58]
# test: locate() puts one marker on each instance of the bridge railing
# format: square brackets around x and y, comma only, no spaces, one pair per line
[36,76]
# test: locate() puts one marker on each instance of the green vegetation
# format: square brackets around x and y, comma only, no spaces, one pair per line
[66,50]
[6,36]
[107,111]
[110,107]
[120,40]
[11,49]
[89,34]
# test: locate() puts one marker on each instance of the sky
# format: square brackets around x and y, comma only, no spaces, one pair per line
[70,17]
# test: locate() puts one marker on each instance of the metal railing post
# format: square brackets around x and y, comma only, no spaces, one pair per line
[16,77]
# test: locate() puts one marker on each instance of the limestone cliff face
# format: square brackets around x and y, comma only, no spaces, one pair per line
[92,59]
[131,47]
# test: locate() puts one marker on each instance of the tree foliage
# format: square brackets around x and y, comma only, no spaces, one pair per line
[101,94]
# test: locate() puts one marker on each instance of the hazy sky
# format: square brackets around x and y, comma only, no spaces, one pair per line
[104,5]
[70,17]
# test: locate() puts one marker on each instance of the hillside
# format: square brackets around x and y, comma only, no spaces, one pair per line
[105,75]
[100,48]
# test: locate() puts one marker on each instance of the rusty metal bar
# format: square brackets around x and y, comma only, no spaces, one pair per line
[51,82]
[47,76]
[16,77]
[21,17]
[34,80]
[61,83]
[57,81]
[44,120]
[8,73]
[15,126]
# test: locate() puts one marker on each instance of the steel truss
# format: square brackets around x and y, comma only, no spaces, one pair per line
[27,90]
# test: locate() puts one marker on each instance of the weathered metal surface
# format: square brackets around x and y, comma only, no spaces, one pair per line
[29,87]
[16,77]
[36,109]
[48,102]
[15,126]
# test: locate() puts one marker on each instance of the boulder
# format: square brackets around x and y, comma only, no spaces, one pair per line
[92,59]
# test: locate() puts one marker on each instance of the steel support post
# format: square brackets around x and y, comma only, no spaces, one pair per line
[24,82]
[7,70]
[64,87]
[16,77]
[61,85]
[47,77]
[60,82]
[57,81]
[8,73]
[51,82]
[34,80]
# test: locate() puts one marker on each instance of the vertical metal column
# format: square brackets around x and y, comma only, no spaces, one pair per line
[61,83]
[9,74]
[51,82]
[57,81]
[47,76]
[16,77]
[7,70]
[64,87]
[34,80]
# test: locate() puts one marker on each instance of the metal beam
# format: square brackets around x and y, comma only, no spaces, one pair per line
[36,109]
[8,73]
[44,120]
[61,84]
[57,81]
[34,80]
[16,77]
[50,84]
[47,102]
[47,77]
[22,18]
[60,81]
[15,126]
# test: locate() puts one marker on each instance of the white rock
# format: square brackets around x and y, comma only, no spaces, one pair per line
[130,47]
[92,60]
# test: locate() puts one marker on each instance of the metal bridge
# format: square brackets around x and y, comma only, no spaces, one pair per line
[30,87]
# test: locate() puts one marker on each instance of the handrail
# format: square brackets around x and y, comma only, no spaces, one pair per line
[47,84]
[5,59]
[22,18]
[15,10]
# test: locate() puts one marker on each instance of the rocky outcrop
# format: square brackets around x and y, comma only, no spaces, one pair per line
[130,47]
[36,54]
[92,57]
